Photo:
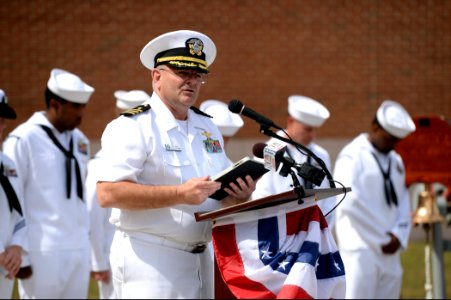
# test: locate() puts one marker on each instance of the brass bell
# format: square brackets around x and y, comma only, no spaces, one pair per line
[427,211]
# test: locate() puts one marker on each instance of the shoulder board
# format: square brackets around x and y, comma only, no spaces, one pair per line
[13,136]
[198,111]
[136,110]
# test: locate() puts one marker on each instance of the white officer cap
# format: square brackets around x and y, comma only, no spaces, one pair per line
[395,119]
[307,111]
[6,111]
[69,86]
[130,99]
[180,49]
[227,122]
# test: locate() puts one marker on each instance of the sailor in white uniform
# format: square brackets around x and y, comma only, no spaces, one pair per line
[374,220]
[13,238]
[102,230]
[306,116]
[51,156]
[157,160]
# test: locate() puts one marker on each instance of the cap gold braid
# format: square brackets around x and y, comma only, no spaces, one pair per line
[178,59]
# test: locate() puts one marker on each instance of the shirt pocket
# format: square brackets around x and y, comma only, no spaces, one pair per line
[177,167]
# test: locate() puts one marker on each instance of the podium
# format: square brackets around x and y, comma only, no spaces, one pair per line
[221,289]
[305,194]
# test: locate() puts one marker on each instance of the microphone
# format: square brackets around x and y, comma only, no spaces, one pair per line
[237,107]
[274,155]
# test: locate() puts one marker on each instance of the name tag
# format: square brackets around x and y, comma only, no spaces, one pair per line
[169,147]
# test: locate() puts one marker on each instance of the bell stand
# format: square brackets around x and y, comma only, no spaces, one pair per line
[434,248]
[438,246]
[429,163]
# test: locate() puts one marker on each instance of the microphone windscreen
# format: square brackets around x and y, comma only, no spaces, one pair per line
[257,149]
[235,106]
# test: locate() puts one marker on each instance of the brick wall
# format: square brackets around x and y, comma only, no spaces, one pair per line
[350,55]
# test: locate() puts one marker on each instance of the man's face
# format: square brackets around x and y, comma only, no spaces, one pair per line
[2,126]
[178,88]
[69,115]
[299,132]
[382,140]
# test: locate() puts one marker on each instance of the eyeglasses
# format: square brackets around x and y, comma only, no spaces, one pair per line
[187,74]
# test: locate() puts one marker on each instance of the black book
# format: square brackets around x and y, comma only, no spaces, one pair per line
[243,167]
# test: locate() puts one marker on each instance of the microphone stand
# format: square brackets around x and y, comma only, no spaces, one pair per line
[265,130]
[297,187]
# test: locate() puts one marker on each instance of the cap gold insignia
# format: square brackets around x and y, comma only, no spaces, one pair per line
[195,46]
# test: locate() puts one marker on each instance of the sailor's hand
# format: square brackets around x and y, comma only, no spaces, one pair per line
[239,193]
[197,190]
[392,246]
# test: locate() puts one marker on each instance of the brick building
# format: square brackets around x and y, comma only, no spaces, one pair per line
[350,55]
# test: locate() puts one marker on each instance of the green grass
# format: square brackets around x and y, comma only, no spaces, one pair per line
[413,281]
[93,292]
[414,272]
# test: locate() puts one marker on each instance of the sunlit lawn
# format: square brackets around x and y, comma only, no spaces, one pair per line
[414,274]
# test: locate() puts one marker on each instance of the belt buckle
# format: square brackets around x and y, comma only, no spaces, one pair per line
[199,248]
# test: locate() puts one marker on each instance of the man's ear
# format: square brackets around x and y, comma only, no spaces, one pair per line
[54,104]
[375,127]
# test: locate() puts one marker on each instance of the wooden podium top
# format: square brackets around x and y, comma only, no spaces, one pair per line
[277,199]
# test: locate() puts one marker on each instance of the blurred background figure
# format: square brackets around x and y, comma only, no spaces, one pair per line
[305,117]
[51,156]
[102,231]
[227,122]
[13,239]
[374,220]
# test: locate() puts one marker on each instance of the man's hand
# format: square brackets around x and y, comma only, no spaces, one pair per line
[103,276]
[11,260]
[392,246]
[197,190]
[239,193]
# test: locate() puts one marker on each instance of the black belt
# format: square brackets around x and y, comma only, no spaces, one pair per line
[200,248]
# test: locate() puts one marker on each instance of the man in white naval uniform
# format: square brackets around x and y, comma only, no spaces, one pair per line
[306,116]
[374,221]
[51,155]
[157,160]
[13,239]
[102,230]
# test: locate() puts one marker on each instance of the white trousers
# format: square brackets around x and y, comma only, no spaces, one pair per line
[6,287]
[143,269]
[106,290]
[371,275]
[57,275]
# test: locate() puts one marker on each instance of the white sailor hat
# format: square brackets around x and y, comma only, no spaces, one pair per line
[130,99]
[180,49]
[69,86]
[6,111]
[395,119]
[307,111]
[227,122]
